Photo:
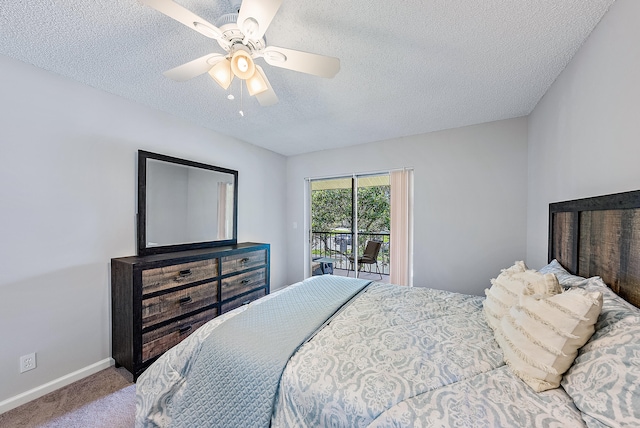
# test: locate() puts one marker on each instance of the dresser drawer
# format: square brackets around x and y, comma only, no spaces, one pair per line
[238,262]
[166,277]
[176,303]
[243,282]
[158,341]
[226,307]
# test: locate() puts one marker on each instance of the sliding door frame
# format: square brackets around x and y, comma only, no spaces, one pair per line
[354,214]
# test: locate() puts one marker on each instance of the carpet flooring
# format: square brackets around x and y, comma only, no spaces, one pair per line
[103,400]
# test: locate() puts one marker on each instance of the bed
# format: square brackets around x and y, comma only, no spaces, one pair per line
[559,346]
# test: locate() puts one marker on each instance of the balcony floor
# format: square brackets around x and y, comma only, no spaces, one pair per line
[363,275]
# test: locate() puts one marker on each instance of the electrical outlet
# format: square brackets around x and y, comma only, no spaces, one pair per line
[27,362]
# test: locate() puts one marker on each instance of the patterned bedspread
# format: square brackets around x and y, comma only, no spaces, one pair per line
[403,356]
[396,357]
[496,398]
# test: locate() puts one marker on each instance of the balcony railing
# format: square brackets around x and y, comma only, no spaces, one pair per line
[338,246]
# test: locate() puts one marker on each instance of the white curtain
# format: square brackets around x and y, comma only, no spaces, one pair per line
[401,239]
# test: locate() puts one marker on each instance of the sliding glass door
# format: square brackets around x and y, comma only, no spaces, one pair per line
[350,225]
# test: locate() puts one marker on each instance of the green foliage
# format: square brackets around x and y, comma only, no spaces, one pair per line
[373,209]
[331,209]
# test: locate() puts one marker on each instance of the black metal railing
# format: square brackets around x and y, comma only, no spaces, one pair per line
[338,246]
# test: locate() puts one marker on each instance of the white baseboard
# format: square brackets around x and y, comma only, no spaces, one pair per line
[32,394]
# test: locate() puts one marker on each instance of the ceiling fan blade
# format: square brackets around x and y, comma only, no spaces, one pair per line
[185,16]
[260,12]
[193,68]
[268,97]
[304,62]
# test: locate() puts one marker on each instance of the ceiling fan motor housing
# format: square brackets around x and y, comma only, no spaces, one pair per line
[232,35]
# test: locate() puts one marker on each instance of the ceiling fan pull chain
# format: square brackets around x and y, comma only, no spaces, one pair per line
[241,112]
[230,97]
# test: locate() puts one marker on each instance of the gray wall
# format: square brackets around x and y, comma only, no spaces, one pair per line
[584,135]
[68,193]
[470,199]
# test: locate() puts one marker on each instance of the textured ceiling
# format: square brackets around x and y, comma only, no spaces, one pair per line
[407,67]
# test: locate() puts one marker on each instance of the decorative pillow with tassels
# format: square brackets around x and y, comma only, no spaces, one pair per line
[540,336]
[502,294]
[507,287]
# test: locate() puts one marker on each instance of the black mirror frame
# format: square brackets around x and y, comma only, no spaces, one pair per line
[143,250]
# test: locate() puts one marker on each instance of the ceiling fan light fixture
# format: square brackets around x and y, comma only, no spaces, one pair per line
[256,84]
[221,73]
[241,35]
[242,65]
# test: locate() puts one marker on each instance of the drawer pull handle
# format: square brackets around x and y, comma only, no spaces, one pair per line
[185,300]
[245,260]
[245,281]
[183,274]
[184,329]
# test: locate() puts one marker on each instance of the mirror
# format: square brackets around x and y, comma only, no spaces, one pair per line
[184,205]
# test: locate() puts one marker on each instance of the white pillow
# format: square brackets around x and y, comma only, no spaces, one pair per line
[540,337]
[507,287]
[518,266]
[502,294]
[542,285]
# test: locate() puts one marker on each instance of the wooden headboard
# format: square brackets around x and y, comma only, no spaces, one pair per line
[600,236]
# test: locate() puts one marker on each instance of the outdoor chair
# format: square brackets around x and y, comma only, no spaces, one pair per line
[369,257]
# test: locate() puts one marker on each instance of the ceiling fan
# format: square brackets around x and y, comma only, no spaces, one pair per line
[241,35]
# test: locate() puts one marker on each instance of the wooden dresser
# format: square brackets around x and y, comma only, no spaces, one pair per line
[158,300]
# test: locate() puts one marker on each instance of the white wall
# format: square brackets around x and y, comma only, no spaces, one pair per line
[67,190]
[584,135]
[68,203]
[470,199]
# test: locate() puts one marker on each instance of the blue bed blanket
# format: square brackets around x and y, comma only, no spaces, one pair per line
[234,379]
